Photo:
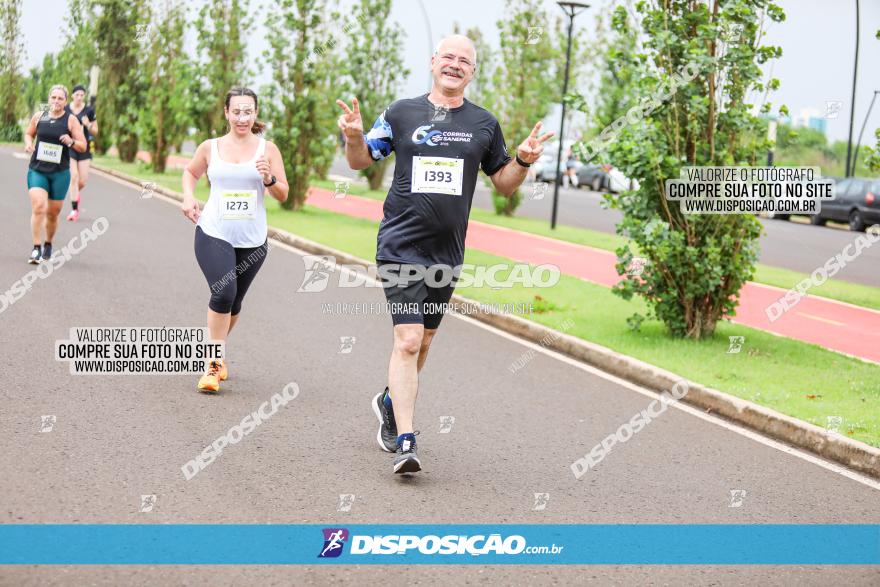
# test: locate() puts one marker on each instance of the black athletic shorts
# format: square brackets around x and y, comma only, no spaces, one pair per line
[77,156]
[415,302]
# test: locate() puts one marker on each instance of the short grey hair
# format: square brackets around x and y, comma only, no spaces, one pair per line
[59,87]
[473,46]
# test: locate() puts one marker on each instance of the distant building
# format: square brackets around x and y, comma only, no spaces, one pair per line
[810,118]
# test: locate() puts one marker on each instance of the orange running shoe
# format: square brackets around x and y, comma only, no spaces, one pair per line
[224,374]
[210,381]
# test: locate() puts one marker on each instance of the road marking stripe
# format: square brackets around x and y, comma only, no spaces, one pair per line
[807,456]
[820,319]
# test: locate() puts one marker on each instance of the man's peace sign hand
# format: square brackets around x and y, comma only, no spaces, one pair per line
[532,148]
[350,122]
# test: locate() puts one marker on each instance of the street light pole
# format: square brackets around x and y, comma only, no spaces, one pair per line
[852,109]
[571,9]
[861,132]
[430,39]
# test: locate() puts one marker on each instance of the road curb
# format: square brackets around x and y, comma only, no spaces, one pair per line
[835,447]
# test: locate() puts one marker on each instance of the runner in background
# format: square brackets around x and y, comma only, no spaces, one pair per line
[231,231]
[50,137]
[81,162]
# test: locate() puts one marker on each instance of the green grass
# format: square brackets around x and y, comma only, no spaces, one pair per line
[853,293]
[799,379]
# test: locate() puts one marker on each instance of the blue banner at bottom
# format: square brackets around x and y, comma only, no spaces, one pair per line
[233,544]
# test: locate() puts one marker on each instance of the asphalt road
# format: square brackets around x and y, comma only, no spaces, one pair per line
[117,438]
[789,245]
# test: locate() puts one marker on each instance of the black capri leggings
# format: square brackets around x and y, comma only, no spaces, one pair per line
[229,270]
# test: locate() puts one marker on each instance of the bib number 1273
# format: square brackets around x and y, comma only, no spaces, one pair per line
[238,205]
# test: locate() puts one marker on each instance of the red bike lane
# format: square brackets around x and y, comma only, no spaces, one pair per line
[828,323]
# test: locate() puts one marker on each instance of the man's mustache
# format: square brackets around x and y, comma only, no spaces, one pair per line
[455,72]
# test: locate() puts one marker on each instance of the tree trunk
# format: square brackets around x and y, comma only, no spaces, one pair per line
[376,173]
[299,188]
[127,146]
[159,149]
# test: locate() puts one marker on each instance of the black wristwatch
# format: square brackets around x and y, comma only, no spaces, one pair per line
[523,163]
[271,183]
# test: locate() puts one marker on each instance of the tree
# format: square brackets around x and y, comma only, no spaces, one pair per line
[11,106]
[38,82]
[873,155]
[119,29]
[374,67]
[696,263]
[616,90]
[221,39]
[79,52]
[71,65]
[168,72]
[478,89]
[298,106]
[525,82]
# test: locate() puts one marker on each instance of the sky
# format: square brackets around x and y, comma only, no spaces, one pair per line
[817,39]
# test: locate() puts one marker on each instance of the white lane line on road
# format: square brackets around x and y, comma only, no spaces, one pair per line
[833,467]
[809,457]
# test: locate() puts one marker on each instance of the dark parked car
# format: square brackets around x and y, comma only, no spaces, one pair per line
[856,202]
[593,176]
[605,177]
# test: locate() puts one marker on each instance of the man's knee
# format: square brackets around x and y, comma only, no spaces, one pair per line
[408,338]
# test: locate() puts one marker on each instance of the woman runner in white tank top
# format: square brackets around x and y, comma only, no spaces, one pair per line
[230,239]
[235,211]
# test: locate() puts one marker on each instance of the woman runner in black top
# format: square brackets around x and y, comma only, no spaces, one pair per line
[49,137]
[81,162]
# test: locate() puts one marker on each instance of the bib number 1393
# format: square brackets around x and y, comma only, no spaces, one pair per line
[437,175]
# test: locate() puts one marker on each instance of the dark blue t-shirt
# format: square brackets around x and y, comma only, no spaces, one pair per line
[438,153]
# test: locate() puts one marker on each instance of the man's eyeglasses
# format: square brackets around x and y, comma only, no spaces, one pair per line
[449,57]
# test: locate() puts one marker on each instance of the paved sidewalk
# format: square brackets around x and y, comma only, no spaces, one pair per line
[835,325]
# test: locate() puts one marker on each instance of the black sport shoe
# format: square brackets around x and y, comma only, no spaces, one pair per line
[387,435]
[407,460]
[34,259]
[47,251]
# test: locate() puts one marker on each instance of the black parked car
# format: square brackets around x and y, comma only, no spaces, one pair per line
[856,202]
[594,176]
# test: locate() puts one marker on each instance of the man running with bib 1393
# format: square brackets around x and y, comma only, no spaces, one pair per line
[441,141]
